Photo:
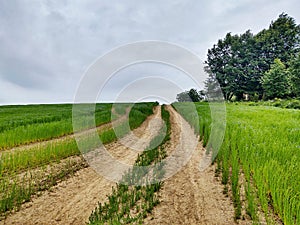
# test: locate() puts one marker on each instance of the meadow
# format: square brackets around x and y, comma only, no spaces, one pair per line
[259,159]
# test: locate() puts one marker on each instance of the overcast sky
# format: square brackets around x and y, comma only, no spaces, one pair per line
[46,46]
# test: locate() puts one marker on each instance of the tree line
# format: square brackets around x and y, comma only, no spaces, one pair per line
[261,66]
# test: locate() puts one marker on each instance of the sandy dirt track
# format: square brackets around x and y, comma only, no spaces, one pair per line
[72,201]
[191,196]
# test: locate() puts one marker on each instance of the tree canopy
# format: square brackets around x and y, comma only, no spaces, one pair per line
[239,62]
[275,81]
[294,71]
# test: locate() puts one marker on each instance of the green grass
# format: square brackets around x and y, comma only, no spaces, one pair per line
[263,143]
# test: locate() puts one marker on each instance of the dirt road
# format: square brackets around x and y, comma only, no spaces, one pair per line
[72,201]
[191,196]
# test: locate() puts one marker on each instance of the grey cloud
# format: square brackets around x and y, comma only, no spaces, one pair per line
[45,46]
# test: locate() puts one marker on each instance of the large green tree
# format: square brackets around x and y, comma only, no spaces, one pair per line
[276,82]
[281,41]
[294,71]
[233,62]
[220,64]
[245,63]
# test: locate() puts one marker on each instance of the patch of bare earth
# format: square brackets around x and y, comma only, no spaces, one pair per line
[191,196]
[72,200]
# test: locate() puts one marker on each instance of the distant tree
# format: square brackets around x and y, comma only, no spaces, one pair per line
[202,94]
[294,71]
[212,87]
[189,96]
[275,82]
[183,97]
[194,95]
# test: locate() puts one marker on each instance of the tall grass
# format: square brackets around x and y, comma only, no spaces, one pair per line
[263,143]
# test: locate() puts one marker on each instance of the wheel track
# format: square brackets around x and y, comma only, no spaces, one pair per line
[191,196]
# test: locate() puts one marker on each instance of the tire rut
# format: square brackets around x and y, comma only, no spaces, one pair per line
[191,196]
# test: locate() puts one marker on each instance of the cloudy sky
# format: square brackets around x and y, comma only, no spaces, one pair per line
[47,46]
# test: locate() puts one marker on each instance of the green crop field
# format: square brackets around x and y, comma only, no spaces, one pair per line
[261,152]
[26,124]
[21,125]
[258,161]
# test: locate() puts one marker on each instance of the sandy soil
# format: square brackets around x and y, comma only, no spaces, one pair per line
[72,201]
[191,196]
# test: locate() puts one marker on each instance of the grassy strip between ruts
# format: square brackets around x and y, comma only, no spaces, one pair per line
[131,204]
[15,190]
[263,143]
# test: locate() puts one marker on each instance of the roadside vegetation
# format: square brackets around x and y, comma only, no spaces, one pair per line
[260,153]
[258,66]
[129,204]
[258,161]
[277,102]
